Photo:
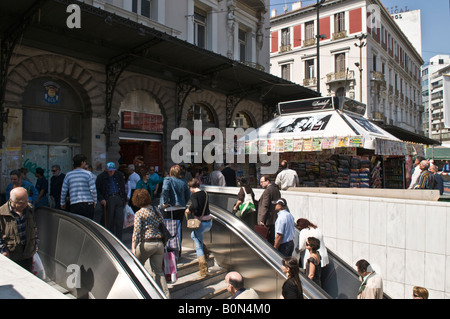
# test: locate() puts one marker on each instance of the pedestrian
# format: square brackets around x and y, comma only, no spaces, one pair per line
[143,181]
[446,167]
[292,287]
[230,175]
[415,173]
[146,242]
[266,209]
[204,176]
[133,178]
[199,208]
[18,233]
[235,286]
[175,194]
[56,182]
[308,229]
[216,177]
[154,180]
[249,218]
[287,177]
[438,181]
[24,171]
[426,178]
[420,293]
[371,282]
[17,181]
[284,228]
[313,268]
[112,196]
[42,188]
[80,185]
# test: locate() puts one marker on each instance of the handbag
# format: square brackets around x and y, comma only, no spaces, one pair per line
[170,266]
[128,217]
[165,233]
[247,206]
[262,230]
[195,223]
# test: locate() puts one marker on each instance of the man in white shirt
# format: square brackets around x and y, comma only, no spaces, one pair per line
[287,177]
[416,171]
[216,177]
[131,184]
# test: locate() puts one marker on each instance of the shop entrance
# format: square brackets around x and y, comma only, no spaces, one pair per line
[141,153]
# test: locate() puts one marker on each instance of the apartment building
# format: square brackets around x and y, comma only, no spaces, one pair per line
[363,54]
[432,97]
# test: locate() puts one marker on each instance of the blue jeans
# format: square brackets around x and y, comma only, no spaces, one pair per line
[197,236]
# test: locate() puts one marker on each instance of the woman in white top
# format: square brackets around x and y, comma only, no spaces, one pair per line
[308,229]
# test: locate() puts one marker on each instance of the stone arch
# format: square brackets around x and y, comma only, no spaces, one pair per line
[251,109]
[212,101]
[60,67]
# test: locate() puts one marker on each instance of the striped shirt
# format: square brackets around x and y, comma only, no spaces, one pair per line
[80,184]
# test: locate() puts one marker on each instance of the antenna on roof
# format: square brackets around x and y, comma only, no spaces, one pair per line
[285,7]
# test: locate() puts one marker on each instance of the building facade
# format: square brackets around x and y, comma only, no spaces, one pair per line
[363,55]
[432,97]
[117,86]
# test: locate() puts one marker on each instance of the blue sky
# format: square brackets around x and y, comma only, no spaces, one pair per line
[435,17]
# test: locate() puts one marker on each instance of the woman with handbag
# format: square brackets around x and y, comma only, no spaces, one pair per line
[246,195]
[147,239]
[175,194]
[201,218]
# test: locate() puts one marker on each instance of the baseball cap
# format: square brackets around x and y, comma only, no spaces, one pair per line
[280,201]
[110,166]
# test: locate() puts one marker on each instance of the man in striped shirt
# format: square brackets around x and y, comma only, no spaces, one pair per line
[80,183]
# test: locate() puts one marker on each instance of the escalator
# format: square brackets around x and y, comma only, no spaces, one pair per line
[339,280]
[87,262]
[108,269]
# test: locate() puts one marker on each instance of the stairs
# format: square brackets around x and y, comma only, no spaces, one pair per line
[190,285]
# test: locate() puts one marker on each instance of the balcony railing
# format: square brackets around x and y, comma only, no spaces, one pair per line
[340,76]
[309,42]
[339,35]
[309,82]
[285,48]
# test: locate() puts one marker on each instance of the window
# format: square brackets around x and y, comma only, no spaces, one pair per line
[200,112]
[374,63]
[200,28]
[309,30]
[339,22]
[242,45]
[142,7]
[286,72]
[309,69]
[285,37]
[339,62]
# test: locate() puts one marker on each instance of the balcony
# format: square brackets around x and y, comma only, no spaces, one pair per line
[285,48]
[309,82]
[339,35]
[254,65]
[340,76]
[309,42]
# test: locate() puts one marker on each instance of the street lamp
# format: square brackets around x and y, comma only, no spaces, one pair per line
[318,36]
[359,65]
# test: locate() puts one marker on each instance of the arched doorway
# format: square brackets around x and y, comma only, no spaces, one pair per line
[141,130]
[52,125]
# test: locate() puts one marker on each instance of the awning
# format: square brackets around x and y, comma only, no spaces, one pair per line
[409,136]
[332,126]
[438,153]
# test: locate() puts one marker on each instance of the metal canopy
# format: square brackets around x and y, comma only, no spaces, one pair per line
[107,38]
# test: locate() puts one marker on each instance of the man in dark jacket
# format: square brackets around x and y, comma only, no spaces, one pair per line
[18,229]
[266,210]
[112,196]
[56,183]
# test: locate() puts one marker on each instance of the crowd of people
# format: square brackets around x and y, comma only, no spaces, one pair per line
[175,197]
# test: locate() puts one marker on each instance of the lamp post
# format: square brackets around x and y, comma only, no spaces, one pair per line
[318,36]
[359,65]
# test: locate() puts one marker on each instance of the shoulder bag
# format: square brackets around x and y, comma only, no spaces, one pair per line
[247,206]
[195,223]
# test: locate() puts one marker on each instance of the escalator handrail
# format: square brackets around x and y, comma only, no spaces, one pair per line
[137,273]
[269,255]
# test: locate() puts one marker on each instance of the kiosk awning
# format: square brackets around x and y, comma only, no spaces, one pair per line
[327,125]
